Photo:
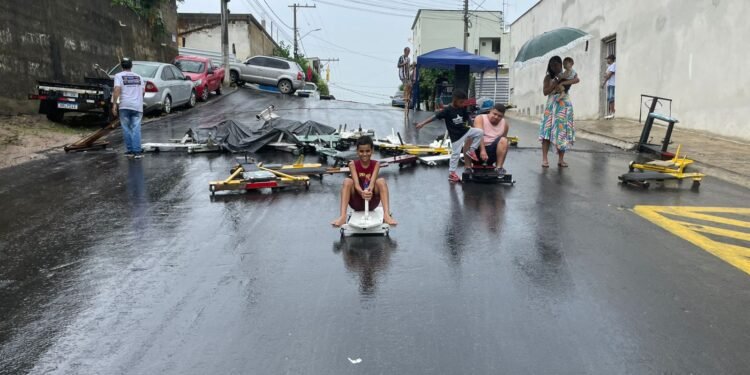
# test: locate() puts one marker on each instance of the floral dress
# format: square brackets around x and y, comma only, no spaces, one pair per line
[557,124]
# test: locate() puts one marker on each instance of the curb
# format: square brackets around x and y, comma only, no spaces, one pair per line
[607,140]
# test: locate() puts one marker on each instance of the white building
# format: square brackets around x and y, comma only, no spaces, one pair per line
[434,29]
[689,51]
[247,36]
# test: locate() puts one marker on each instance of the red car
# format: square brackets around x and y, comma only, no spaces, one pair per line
[205,75]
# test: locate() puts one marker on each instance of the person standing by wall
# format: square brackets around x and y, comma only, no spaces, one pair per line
[609,82]
[128,101]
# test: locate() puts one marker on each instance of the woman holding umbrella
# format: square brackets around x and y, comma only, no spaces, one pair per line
[557,125]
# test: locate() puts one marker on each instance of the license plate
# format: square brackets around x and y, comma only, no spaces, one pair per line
[70,94]
[67,105]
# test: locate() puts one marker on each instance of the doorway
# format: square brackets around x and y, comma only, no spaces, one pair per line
[609,47]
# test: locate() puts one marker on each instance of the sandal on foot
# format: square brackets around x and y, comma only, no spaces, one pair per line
[545,165]
[562,165]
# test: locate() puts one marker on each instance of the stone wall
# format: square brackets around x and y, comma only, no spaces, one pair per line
[61,40]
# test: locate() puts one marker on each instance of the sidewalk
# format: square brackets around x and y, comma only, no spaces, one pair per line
[717,157]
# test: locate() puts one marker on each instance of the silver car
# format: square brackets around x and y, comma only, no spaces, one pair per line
[285,74]
[166,86]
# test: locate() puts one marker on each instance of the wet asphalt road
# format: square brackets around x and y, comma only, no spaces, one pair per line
[115,266]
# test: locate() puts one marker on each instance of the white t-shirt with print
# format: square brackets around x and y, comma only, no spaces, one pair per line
[131,94]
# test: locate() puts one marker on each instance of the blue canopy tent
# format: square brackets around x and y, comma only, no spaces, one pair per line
[451,58]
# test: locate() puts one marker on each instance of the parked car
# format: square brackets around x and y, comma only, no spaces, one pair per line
[285,74]
[166,86]
[205,75]
[310,89]
[57,98]
[397,100]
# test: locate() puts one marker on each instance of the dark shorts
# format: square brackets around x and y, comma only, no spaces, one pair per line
[358,204]
[610,93]
[492,150]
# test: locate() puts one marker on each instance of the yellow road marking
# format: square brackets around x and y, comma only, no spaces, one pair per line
[738,256]
[717,231]
[685,212]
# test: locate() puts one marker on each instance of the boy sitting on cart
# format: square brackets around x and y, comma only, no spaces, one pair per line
[359,187]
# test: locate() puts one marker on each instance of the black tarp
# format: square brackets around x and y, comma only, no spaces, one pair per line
[299,128]
[238,137]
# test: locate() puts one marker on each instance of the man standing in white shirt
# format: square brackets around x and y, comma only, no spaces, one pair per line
[609,81]
[128,101]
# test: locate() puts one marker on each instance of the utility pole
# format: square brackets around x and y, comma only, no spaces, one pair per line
[466,24]
[328,69]
[294,7]
[225,41]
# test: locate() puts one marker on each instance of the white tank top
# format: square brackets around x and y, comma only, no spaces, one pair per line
[492,132]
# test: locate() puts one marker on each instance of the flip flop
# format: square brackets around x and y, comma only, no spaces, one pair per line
[545,165]
[562,165]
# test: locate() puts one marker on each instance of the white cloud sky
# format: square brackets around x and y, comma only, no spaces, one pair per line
[367,36]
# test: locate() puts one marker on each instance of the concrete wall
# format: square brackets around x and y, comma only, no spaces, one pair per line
[436,29]
[246,36]
[60,40]
[689,51]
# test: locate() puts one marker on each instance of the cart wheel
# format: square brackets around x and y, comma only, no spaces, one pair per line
[307,185]
[630,167]
[646,184]
[696,184]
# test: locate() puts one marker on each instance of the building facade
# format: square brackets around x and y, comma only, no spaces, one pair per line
[687,51]
[247,36]
[436,29]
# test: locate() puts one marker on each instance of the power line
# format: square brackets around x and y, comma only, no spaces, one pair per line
[351,51]
[390,7]
[363,10]
[369,95]
[277,16]
[259,10]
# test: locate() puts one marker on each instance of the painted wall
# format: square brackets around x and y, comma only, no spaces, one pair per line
[61,40]
[436,29]
[246,36]
[689,51]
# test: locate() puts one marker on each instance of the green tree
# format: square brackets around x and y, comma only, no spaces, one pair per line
[427,83]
